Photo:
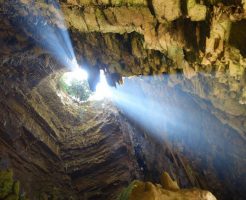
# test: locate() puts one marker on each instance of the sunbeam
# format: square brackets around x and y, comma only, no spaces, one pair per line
[150,113]
[171,114]
[48,30]
[103,90]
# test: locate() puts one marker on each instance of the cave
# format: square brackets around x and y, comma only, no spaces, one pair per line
[122,100]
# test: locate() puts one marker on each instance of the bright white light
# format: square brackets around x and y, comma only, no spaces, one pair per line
[74,64]
[77,74]
[102,89]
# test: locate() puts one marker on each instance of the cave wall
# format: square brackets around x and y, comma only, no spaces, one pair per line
[88,151]
[205,152]
[98,155]
[93,152]
[31,152]
[101,149]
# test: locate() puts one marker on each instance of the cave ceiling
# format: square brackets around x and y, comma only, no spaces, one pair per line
[203,42]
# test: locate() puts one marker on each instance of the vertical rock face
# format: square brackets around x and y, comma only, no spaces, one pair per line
[92,151]
[98,154]
[94,159]
[210,153]
[32,158]
[29,146]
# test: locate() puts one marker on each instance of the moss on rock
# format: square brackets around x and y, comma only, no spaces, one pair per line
[10,189]
[6,183]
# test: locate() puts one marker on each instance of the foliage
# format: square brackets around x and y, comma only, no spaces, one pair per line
[9,189]
[12,197]
[6,182]
[125,194]
[16,187]
[77,89]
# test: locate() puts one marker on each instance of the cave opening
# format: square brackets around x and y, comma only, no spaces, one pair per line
[75,85]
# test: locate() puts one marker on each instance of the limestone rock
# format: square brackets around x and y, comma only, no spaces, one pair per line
[167,182]
[139,190]
[196,12]
[167,10]
[148,191]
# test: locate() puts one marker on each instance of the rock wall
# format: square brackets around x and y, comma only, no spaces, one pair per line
[27,149]
[203,152]
[98,154]
[57,147]
[168,189]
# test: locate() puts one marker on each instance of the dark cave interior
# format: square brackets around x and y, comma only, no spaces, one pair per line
[161,114]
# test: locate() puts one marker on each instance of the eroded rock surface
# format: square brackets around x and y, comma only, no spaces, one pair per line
[168,190]
[210,152]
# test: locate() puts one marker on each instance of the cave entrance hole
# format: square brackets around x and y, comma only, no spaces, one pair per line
[75,85]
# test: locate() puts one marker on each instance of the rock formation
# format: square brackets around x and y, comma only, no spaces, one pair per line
[167,190]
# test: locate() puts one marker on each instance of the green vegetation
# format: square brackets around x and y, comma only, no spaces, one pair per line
[77,89]
[6,182]
[125,194]
[9,189]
